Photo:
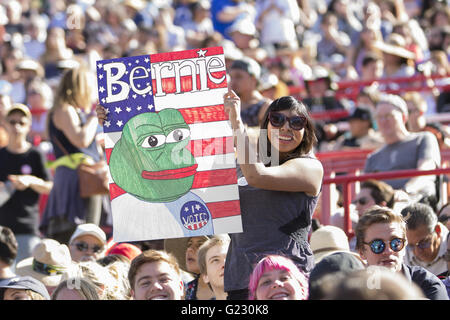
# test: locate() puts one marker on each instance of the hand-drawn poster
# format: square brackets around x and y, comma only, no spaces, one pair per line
[169,145]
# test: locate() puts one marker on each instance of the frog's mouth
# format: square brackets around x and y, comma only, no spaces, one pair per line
[170,174]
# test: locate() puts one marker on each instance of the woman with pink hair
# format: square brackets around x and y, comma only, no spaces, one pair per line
[277,278]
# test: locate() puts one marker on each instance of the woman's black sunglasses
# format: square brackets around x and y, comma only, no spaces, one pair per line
[378,245]
[278,120]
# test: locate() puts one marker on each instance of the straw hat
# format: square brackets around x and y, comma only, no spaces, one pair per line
[49,261]
[327,240]
[395,45]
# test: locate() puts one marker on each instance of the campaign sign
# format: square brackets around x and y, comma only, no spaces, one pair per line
[169,145]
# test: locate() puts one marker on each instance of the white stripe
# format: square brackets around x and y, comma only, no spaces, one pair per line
[207,163]
[219,193]
[205,130]
[169,71]
[231,224]
[211,97]
[220,161]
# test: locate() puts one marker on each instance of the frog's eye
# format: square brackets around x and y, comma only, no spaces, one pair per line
[178,135]
[153,141]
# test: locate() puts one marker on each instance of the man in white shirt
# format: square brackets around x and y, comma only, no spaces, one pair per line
[427,239]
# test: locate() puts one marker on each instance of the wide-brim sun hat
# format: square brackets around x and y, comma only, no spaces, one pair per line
[328,240]
[48,263]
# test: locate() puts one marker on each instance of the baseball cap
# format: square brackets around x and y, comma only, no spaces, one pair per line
[89,229]
[21,107]
[249,65]
[361,114]
[27,283]
[125,249]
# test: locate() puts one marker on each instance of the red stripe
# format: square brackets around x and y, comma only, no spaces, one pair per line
[185,54]
[224,209]
[218,209]
[202,147]
[202,179]
[211,147]
[115,191]
[204,114]
[168,84]
[108,154]
[213,178]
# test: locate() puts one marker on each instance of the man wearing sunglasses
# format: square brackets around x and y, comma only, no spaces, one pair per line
[381,241]
[427,239]
[23,177]
[87,243]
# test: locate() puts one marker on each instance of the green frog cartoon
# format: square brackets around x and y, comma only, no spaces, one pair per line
[152,164]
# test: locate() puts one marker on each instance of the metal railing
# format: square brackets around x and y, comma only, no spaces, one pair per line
[348,179]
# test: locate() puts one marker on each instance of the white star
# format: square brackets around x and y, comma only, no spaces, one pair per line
[150,106]
[129,64]
[144,95]
[100,76]
[197,207]
[201,53]
[114,88]
[137,61]
[146,59]
[104,100]
[118,110]
[137,71]
[128,109]
[186,209]
[106,110]
[101,89]
[100,66]
[138,85]
[134,96]
[107,124]
[147,84]
[119,123]
[139,108]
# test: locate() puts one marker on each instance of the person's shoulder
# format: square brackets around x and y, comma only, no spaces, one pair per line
[422,274]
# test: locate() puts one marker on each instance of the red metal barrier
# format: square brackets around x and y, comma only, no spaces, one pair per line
[350,162]
[346,180]
[350,89]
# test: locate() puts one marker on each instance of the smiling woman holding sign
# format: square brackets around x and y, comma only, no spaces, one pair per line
[278,191]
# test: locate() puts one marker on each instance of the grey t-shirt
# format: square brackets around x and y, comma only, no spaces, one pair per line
[405,155]
[274,222]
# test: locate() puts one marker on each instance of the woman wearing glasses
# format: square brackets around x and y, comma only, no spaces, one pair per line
[381,241]
[278,190]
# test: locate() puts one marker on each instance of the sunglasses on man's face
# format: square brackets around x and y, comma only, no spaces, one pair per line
[84,247]
[443,218]
[14,122]
[422,244]
[278,120]
[447,255]
[362,201]
[378,245]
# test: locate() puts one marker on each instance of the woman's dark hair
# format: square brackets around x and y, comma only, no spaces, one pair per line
[8,245]
[309,137]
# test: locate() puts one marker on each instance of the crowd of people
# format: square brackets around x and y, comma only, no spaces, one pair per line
[56,244]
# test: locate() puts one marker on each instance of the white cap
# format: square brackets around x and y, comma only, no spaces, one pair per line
[89,229]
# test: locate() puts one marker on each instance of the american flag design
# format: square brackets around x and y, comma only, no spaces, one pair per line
[194,83]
